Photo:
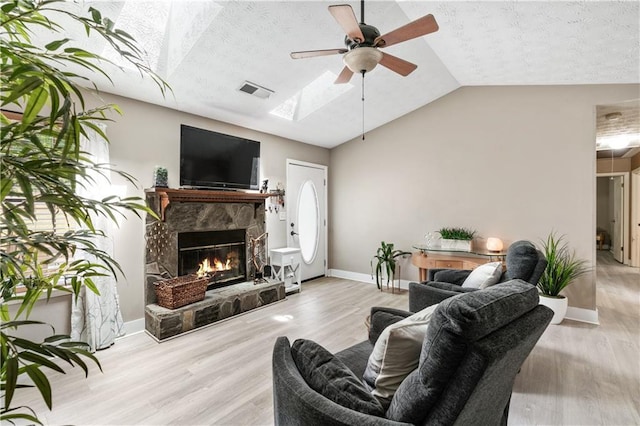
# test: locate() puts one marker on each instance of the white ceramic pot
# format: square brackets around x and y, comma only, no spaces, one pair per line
[558,305]
[456,245]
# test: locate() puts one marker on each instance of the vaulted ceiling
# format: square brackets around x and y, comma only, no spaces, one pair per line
[206,50]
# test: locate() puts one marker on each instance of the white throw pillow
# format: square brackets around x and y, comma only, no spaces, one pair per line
[396,353]
[484,275]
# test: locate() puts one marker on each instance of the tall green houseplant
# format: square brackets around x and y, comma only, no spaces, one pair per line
[562,269]
[385,262]
[42,164]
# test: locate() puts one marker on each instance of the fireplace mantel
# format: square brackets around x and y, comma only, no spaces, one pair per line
[169,195]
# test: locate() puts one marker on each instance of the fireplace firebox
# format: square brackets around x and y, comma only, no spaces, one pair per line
[219,255]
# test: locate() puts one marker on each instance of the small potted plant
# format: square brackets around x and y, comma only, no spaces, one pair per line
[456,238]
[160,177]
[385,262]
[562,269]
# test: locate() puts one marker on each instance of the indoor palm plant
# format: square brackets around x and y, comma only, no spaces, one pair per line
[385,262]
[562,269]
[42,164]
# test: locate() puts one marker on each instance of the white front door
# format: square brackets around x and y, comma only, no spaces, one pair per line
[617,221]
[307,215]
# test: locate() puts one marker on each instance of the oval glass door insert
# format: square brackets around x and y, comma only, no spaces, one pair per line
[308,226]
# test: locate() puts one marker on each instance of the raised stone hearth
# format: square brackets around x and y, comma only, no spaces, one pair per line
[218,304]
[184,211]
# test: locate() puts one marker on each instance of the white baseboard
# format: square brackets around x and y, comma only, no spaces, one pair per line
[583,315]
[133,327]
[365,278]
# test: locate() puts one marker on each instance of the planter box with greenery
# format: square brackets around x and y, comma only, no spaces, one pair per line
[458,239]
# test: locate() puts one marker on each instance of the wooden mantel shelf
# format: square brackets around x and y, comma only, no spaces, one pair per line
[169,195]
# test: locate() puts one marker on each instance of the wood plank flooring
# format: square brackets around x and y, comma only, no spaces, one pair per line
[583,374]
[578,374]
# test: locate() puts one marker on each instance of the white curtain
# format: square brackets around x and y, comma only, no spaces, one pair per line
[96,319]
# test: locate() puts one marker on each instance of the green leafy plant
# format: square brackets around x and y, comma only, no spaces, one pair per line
[42,163]
[385,260]
[562,266]
[160,176]
[457,233]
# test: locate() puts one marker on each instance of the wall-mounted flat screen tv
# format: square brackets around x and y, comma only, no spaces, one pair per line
[212,160]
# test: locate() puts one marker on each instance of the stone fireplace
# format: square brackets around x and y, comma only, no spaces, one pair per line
[198,230]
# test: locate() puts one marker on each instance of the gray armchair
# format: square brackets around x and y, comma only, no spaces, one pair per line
[474,346]
[523,261]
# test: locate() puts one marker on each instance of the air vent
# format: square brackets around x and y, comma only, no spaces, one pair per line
[255,90]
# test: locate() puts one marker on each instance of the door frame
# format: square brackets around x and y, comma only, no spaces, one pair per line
[625,213]
[635,218]
[325,170]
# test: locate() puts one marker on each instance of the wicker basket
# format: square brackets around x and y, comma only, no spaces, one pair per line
[180,291]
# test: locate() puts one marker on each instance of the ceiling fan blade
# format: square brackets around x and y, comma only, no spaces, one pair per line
[344,77]
[402,67]
[425,25]
[343,13]
[313,53]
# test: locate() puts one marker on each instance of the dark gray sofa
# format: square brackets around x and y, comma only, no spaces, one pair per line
[474,347]
[523,261]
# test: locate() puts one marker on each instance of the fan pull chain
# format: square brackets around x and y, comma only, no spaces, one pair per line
[363,105]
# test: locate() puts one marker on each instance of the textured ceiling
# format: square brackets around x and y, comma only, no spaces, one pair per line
[207,49]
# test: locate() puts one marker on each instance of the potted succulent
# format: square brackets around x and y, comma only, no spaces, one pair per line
[562,269]
[385,262]
[456,238]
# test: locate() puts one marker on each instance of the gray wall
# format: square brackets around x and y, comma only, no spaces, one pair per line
[148,135]
[512,162]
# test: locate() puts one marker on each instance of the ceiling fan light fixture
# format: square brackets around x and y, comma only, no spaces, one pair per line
[362,59]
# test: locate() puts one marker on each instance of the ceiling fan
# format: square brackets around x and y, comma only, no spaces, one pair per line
[363,41]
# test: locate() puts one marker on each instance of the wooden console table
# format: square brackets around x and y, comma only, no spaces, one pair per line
[428,258]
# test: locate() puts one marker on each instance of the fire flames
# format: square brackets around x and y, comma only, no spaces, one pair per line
[207,267]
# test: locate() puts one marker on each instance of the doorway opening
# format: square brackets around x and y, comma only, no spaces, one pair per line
[612,218]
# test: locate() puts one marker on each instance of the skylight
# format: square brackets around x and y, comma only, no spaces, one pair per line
[311,98]
[166,32]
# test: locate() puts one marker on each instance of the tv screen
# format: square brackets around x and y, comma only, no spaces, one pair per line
[218,161]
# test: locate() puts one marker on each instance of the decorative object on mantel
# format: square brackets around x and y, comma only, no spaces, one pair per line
[160,177]
[277,194]
[456,238]
[494,244]
[386,263]
[265,186]
[258,250]
[176,292]
[562,269]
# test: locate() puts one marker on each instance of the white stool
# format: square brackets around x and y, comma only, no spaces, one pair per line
[286,260]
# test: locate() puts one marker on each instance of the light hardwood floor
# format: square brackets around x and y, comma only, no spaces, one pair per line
[578,374]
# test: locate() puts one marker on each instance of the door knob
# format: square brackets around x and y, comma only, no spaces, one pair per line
[293,233]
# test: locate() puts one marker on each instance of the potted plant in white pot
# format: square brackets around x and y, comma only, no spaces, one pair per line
[456,238]
[562,269]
